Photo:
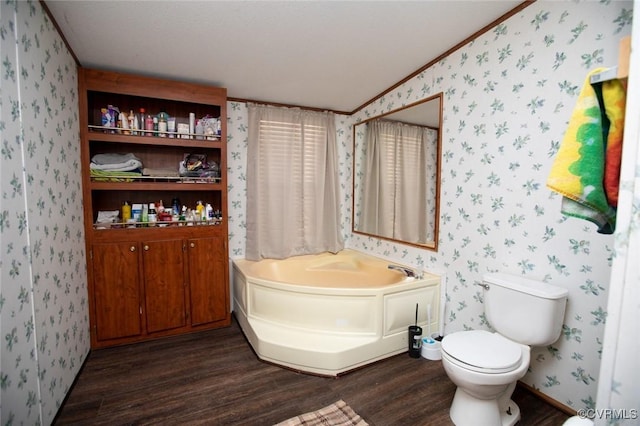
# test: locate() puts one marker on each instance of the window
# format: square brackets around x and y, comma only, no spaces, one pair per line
[292,183]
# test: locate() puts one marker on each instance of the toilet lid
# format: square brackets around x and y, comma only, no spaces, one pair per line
[483,350]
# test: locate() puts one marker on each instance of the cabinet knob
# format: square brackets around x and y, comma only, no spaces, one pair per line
[132,248]
[192,245]
[146,247]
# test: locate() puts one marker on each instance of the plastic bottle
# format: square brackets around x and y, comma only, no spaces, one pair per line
[131,119]
[171,126]
[153,215]
[183,216]
[192,124]
[126,212]
[199,130]
[123,122]
[148,125]
[162,124]
[175,205]
[136,126]
[199,210]
[190,217]
[141,120]
[144,217]
[208,213]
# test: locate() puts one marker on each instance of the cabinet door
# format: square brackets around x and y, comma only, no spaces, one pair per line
[207,280]
[116,290]
[164,285]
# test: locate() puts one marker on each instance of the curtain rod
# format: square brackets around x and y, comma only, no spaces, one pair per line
[306,108]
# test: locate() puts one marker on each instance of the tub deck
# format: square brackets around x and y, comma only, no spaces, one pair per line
[347,269]
[328,320]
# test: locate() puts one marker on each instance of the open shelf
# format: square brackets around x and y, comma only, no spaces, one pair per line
[148,279]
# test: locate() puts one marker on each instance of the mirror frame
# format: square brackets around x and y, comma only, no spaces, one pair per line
[436,230]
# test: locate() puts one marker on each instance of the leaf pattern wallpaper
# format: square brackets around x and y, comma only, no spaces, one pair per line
[508,96]
[44,318]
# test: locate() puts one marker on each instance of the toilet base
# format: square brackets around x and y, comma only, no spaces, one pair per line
[467,410]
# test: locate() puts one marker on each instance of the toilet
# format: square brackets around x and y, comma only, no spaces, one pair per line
[484,365]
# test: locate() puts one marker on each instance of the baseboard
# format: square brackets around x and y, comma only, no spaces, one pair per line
[546,398]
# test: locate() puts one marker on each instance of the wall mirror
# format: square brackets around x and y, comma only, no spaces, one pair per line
[396,174]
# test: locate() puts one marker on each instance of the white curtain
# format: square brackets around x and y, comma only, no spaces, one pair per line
[400,176]
[292,183]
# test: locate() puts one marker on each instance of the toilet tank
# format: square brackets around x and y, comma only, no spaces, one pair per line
[524,310]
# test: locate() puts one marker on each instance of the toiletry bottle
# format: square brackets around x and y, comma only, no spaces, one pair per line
[136,126]
[153,214]
[136,212]
[141,118]
[131,119]
[199,210]
[199,130]
[175,205]
[171,126]
[126,212]
[164,213]
[144,217]
[104,113]
[123,123]
[190,217]
[148,125]
[162,124]
[208,213]
[192,124]
[114,112]
[183,216]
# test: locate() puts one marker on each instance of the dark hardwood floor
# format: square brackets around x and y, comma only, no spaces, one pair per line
[214,378]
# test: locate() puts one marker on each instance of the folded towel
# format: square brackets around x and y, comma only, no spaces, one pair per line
[113,176]
[115,162]
[127,166]
[113,158]
[578,170]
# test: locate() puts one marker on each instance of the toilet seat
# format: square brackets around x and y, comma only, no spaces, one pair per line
[483,351]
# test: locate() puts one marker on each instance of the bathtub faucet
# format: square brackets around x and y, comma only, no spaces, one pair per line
[407,271]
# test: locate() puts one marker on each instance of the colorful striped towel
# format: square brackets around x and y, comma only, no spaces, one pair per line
[614,93]
[591,145]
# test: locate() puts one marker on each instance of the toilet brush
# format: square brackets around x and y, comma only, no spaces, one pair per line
[415,342]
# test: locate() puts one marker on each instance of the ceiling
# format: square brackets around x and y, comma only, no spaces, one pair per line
[334,55]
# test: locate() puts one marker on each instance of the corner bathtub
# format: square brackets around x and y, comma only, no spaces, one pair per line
[329,313]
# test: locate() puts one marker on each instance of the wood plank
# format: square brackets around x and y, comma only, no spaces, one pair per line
[214,378]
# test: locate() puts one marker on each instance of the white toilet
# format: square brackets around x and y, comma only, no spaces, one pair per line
[486,366]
